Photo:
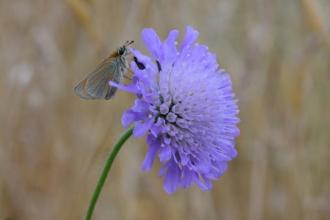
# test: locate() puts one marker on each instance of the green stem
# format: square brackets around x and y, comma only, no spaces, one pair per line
[105,172]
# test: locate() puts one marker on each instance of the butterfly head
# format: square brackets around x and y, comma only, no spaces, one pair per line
[122,51]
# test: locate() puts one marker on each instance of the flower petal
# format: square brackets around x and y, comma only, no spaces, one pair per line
[130,116]
[153,43]
[130,88]
[190,38]
[142,127]
[165,153]
[154,144]
[198,182]
[172,178]
[169,48]
[143,59]
[138,112]
[187,177]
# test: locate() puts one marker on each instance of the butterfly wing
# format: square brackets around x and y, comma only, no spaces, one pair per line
[97,84]
[80,90]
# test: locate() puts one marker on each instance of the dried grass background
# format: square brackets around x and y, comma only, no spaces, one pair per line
[53,145]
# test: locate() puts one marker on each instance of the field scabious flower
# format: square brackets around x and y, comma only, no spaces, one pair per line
[185,104]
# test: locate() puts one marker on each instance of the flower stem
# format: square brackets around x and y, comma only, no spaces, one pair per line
[105,171]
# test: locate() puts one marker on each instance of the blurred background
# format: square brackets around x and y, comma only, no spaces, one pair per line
[53,145]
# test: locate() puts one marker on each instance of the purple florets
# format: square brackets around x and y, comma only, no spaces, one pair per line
[186,105]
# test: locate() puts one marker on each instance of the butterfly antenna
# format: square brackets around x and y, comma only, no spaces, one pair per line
[128,43]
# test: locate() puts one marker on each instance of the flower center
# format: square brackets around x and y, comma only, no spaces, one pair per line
[172,114]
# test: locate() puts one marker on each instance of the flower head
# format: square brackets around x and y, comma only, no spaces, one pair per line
[185,104]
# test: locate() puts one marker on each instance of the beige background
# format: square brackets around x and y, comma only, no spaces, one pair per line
[53,144]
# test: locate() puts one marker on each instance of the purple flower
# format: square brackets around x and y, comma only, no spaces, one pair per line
[185,105]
